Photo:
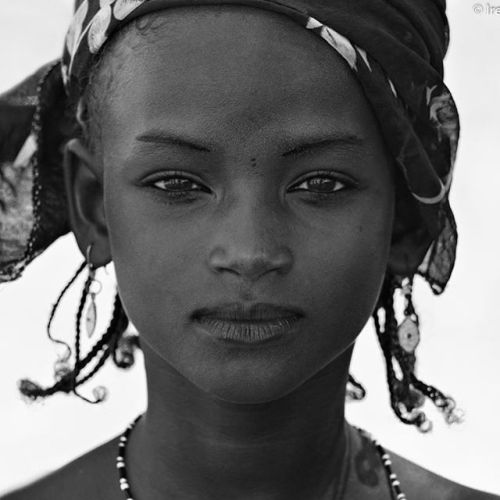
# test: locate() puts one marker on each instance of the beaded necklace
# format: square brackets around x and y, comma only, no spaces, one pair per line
[396,493]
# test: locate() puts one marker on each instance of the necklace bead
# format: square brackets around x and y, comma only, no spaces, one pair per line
[120,460]
[121,466]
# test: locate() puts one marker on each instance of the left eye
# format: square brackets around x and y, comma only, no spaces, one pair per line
[321,184]
[177,184]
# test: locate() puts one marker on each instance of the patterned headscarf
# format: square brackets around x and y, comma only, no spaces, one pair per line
[394,47]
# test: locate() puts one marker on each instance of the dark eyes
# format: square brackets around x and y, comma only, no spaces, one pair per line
[177,185]
[181,188]
[321,184]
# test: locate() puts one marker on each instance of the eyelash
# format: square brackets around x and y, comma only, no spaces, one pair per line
[323,175]
[184,196]
[188,196]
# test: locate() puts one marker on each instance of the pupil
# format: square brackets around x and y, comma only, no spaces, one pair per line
[178,184]
[322,185]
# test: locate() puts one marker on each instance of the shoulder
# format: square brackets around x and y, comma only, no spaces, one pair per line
[91,475]
[418,481]
[415,481]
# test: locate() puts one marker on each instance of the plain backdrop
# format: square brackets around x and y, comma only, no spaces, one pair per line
[460,346]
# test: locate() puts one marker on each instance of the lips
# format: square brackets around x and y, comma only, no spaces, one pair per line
[248,324]
[237,311]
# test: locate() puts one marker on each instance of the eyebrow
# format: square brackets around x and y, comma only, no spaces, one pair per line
[160,137]
[336,140]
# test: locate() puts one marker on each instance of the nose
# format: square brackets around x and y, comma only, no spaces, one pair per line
[250,264]
[250,244]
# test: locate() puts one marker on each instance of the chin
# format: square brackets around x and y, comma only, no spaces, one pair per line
[252,385]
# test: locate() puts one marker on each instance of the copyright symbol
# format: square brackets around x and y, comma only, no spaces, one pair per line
[478,8]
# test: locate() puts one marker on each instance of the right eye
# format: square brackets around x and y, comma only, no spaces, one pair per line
[178,187]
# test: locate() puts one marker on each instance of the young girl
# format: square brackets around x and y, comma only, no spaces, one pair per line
[265,177]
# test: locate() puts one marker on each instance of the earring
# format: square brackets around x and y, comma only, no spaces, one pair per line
[91,288]
[94,288]
[408,331]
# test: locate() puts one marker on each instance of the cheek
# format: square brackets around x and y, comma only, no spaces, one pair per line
[156,261]
[342,272]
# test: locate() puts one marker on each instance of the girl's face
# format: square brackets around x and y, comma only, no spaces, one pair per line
[242,163]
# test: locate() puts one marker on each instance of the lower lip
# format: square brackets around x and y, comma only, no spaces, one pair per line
[248,332]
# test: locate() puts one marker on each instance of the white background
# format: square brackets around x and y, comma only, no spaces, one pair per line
[460,348]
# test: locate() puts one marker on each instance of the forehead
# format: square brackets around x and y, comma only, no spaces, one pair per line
[233,69]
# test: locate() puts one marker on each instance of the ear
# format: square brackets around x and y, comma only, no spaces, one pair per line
[410,237]
[408,249]
[84,191]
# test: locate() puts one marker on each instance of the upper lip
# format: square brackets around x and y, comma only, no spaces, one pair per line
[238,311]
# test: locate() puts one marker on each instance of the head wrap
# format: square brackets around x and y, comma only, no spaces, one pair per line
[394,47]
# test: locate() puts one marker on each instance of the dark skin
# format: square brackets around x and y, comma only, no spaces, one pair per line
[287,197]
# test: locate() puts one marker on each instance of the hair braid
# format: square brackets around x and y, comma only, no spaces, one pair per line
[56,305]
[354,389]
[386,341]
[407,392]
[117,327]
[78,319]
[68,381]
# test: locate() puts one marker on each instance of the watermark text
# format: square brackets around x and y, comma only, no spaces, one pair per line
[486,8]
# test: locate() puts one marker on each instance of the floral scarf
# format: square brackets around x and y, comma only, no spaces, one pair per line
[394,47]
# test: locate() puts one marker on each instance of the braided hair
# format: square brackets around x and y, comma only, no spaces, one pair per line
[407,391]
[114,342]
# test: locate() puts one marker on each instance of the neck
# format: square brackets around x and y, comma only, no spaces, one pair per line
[191,445]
